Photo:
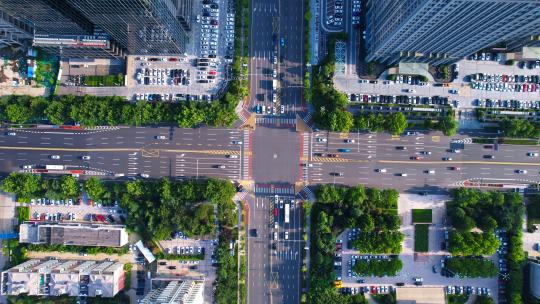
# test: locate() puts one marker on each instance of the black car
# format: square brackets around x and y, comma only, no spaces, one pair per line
[489,156]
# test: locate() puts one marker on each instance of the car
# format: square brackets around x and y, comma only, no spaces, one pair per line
[344,150]
[144,175]
[447,158]
[236,142]
[455,168]
[160,137]
[337,174]
[55,156]
[320,139]
[521,171]
[488,156]
[220,166]
[11,134]
[455,150]
[402,174]
[85,157]
[286,235]
[532,154]
[430,171]
[425,152]
[381,170]
[401,148]
[416,157]
[308,165]
[282,41]
[275,236]
[348,140]
[232,156]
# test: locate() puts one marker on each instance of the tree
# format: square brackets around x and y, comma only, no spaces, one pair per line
[448,125]
[56,112]
[24,185]
[487,224]
[18,113]
[396,123]
[94,188]
[70,187]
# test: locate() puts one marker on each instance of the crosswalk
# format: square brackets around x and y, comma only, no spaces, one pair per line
[133,164]
[305,155]
[241,195]
[272,189]
[307,194]
[246,158]
[276,121]
[287,255]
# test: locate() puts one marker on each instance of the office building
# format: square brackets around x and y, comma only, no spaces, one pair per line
[444,31]
[184,13]
[534,278]
[13,31]
[64,277]
[78,234]
[173,291]
[140,26]
[49,16]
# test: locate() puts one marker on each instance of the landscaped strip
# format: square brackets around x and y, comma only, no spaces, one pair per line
[421,238]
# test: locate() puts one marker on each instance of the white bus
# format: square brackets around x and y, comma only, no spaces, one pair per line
[287,213]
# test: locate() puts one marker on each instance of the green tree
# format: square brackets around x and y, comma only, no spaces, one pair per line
[396,123]
[56,112]
[70,187]
[94,188]
[18,113]
[448,125]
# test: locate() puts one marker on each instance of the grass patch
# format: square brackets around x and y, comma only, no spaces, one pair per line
[181,257]
[511,141]
[421,238]
[23,214]
[422,215]
[477,140]
[457,299]
[533,210]
[127,280]
[104,81]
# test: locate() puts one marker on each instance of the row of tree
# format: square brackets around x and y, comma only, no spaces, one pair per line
[378,242]
[520,128]
[471,267]
[113,110]
[486,210]
[466,243]
[378,268]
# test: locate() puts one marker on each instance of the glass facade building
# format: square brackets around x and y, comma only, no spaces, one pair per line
[140,26]
[444,31]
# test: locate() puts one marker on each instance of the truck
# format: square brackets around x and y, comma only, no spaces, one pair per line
[55,167]
[274,84]
[287,207]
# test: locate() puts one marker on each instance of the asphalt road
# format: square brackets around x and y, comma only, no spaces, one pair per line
[371,152]
[182,153]
[273,274]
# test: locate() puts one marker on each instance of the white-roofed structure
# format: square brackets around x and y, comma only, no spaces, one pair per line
[66,277]
[186,291]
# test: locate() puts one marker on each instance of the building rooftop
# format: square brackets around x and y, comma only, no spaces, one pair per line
[175,291]
[73,234]
[64,277]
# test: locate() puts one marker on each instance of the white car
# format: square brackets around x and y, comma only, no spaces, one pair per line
[382,170]
[144,175]
[521,171]
[11,134]
[232,156]
[351,141]
[85,157]
[321,139]
[532,154]
[55,156]
[286,235]
[160,137]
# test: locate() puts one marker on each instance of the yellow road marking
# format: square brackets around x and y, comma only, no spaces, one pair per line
[343,135]
[435,138]
[395,137]
[148,151]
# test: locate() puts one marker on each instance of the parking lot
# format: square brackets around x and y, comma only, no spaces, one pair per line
[64,210]
[499,84]
[426,266]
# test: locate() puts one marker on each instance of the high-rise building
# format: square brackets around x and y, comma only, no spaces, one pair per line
[140,26]
[443,31]
[67,277]
[13,31]
[184,13]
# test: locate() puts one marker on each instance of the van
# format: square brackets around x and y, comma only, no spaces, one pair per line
[402,174]
[275,236]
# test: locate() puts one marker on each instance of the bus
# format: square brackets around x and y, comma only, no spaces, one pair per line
[287,206]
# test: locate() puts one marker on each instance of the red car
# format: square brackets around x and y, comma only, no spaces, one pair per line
[213,72]
[275,212]
[416,157]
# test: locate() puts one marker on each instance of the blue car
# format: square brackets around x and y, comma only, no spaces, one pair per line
[282,42]
[344,150]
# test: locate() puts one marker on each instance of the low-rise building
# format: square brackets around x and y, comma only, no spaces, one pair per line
[175,291]
[420,295]
[79,234]
[64,277]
